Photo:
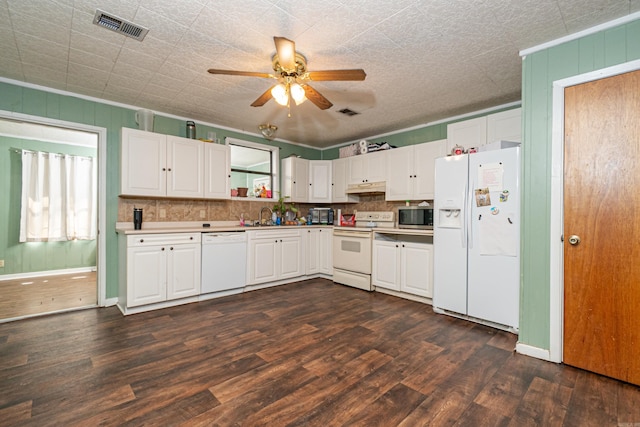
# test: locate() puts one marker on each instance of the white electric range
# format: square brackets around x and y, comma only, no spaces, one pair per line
[352,249]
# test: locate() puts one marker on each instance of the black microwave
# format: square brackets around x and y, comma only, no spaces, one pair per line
[415,217]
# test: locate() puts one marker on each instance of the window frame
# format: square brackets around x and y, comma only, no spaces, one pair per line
[275,164]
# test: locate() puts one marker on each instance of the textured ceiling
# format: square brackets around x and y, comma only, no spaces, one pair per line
[425,59]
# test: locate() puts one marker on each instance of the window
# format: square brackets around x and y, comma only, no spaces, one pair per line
[254,166]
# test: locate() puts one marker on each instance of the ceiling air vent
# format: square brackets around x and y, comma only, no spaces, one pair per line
[119,25]
[348,112]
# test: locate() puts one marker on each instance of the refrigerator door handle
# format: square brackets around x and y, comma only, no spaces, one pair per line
[469,218]
[463,220]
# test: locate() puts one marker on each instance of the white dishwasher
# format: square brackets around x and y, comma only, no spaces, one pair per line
[224,261]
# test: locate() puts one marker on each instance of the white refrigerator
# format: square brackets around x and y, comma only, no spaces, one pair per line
[477,237]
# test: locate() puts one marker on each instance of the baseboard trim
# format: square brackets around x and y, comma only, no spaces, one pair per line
[30,275]
[110,302]
[537,352]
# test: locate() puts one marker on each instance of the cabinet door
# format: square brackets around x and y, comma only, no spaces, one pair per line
[340,174]
[386,264]
[185,167]
[295,179]
[262,260]
[417,269]
[146,275]
[320,181]
[400,174]
[217,171]
[357,169]
[313,251]
[325,251]
[183,271]
[143,163]
[505,126]
[377,166]
[468,133]
[424,157]
[291,257]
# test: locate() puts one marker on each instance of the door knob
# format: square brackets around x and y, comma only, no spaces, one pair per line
[574,240]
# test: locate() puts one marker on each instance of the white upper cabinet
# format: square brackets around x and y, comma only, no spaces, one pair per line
[320,181]
[295,179]
[371,167]
[143,163]
[503,126]
[467,134]
[185,167]
[410,171]
[340,169]
[217,171]
[159,165]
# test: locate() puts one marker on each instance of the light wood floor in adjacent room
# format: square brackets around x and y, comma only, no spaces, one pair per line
[39,295]
[310,353]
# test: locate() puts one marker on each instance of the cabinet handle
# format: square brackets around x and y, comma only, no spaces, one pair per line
[163,249]
[396,246]
[164,169]
[169,169]
[280,240]
[171,248]
[141,240]
[191,238]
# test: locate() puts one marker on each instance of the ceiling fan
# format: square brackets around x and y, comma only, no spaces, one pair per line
[291,73]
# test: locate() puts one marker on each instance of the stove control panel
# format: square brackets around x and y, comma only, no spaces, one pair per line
[382,216]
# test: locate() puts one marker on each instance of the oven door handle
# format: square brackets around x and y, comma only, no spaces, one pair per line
[353,234]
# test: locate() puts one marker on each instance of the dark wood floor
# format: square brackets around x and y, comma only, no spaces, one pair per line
[306,354]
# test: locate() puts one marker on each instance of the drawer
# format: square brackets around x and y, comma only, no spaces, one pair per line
[162,239]
[274,234]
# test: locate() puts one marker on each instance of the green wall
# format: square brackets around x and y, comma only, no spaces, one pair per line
[18,99]
[41,256]
[540,69]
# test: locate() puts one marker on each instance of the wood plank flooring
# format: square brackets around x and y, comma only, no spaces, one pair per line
[39,295]
[310,353]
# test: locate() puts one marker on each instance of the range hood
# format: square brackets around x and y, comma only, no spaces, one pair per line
[367,187]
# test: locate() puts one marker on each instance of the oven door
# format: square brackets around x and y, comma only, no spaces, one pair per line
[352,251]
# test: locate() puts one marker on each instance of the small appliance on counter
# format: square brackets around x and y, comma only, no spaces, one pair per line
[416,217]
[322,216]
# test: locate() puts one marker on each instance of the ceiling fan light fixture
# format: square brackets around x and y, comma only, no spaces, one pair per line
[279,93]
[268,130]
[297,93]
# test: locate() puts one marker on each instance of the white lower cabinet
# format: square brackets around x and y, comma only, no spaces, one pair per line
[319,251]
[160,267]
[403,263]
[274,255]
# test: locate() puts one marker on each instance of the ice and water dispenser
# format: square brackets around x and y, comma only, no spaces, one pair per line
[450,215]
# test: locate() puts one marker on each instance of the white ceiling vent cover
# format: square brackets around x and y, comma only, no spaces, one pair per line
[119,25]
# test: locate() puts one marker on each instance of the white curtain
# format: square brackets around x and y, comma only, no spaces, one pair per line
[59,197]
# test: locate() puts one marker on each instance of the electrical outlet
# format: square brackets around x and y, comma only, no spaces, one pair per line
[1,263]
[163,213]
[203,213]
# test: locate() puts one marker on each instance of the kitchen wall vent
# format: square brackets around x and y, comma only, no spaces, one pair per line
[119,25]
[348,112]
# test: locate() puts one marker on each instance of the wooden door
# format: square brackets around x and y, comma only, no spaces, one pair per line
[602,207]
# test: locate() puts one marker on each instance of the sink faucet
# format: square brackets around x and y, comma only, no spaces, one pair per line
[269,217]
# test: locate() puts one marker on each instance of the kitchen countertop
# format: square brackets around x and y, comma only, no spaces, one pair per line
[126,228]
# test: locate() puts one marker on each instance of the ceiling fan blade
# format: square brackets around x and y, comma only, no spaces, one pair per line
[286,53]
[241,73]
[356,74]
[316,97]
[262,99]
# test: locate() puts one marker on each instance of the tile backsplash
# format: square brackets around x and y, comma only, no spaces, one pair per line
[177,210]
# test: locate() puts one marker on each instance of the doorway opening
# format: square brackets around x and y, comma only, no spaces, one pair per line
[49,273]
